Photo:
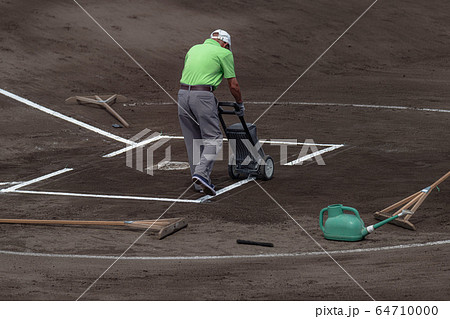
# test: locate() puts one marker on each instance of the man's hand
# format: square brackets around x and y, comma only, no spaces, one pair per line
[241,109]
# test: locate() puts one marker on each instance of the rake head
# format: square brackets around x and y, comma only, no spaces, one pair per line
[398,221]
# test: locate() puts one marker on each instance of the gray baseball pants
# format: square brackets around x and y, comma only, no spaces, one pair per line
[204,138]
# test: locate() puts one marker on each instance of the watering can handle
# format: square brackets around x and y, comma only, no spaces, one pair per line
[352,210]
[321,218]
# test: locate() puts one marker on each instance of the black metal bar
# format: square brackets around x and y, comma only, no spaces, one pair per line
[250,242]
[241,118]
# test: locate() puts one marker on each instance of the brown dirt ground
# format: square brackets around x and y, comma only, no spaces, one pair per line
[395,55]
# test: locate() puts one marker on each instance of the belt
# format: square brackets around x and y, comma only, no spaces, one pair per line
[208,88]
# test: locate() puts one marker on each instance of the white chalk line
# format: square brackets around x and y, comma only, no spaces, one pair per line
[331,147]
[309,68]
[9,183]
[159,137]
[285,142]
[160,199]
[394,107]
[281,255]
[131,144]
[312,155]
[23,184]
[171,166]
[373,106]
[66,118]
[227,189]
[16,189]
[136,145]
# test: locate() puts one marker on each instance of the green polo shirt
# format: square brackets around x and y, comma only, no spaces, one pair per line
[207,64]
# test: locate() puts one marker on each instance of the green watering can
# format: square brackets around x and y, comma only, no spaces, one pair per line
[348,227]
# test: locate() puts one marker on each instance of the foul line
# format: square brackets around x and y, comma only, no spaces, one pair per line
[304,254]
[320,56]
[65,117]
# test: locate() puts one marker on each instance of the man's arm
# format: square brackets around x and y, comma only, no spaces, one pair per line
[235,90]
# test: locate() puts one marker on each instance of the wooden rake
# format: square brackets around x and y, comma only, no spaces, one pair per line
[164,227]
[103,101]
[415,199]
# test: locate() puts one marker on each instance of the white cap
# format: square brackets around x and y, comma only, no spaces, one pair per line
[221,35]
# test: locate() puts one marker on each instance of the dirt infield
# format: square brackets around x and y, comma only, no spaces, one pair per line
[396,55]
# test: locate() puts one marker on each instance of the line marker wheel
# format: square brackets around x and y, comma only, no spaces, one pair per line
[266,171]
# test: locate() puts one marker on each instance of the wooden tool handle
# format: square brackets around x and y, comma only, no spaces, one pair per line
[137,223]
[61,222]
[398,204]
[111,110]
[440,180]
[165,227]
[409,204]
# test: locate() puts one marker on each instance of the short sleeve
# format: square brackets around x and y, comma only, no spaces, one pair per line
[228,66]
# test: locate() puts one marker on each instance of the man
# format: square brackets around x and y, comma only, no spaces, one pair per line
[204,68]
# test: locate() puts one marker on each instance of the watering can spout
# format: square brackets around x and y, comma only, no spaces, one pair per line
[367,230]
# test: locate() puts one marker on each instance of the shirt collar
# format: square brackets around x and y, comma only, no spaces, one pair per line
[211,41]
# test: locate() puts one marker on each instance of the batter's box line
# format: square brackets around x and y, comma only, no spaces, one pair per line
[271,142]
[9,183]
[18,189]
[313,155]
